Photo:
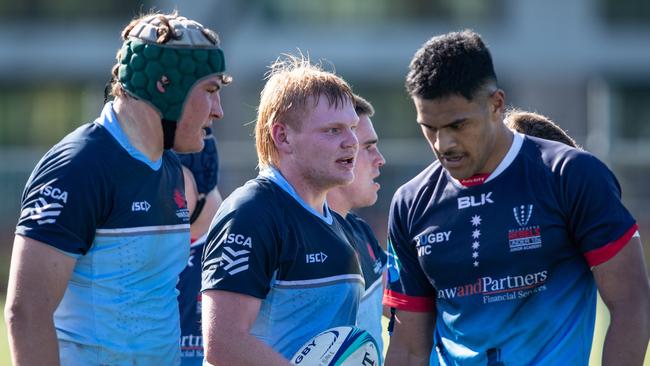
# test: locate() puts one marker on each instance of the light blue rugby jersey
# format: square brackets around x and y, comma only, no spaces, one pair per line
[373,263]
[125,220]
[267,243]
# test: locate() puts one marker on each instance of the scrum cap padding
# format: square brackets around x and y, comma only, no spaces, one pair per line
[164,74]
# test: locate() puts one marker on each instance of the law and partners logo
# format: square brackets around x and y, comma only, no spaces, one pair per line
[525,237]
[496,289]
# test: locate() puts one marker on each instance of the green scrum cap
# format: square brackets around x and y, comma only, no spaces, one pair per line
[163,74]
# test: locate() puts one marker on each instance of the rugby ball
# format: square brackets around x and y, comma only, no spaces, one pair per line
[340,346]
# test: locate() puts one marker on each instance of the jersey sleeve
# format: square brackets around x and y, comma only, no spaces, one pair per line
[407,287]
[242,250]
[600,224]
[62,201]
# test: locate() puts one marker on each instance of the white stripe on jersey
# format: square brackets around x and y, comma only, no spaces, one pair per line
[320,281]
[142,230]
[373,287]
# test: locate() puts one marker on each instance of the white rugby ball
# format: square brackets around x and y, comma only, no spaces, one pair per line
[340,346]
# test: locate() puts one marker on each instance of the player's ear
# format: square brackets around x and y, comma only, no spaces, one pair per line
[497,104]
[280,134]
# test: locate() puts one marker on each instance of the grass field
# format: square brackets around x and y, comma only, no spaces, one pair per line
[602,320]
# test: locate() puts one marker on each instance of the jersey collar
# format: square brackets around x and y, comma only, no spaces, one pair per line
[515,147]
[275,176]
[109,121]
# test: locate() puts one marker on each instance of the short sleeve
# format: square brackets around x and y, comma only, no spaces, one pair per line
[62,201]
[599,223]
[407,287]
[242,250]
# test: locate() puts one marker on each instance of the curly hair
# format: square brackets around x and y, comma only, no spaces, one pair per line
[456,63]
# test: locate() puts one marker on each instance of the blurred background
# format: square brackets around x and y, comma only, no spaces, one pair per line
[584,63]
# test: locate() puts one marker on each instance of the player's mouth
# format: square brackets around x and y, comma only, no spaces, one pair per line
[452,161]
[375,183]
[346,162]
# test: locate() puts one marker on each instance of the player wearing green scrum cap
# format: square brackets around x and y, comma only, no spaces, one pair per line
[104,225]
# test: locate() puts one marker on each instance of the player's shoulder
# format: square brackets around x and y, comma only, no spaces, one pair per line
[558,158]
[409,191]
[86,147]
[258,195]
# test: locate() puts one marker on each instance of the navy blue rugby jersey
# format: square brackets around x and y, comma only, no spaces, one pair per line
[124,218]
[267,243]
[506,263]
[373,263]
[189,304]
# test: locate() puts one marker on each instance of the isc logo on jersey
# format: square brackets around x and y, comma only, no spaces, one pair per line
[140,206]
[315,257]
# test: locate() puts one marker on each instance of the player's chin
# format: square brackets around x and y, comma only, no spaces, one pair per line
[369,200]
[343,178]
[195,145]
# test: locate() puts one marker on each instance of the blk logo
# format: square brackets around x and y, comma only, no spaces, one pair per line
[474,201]
[522,214]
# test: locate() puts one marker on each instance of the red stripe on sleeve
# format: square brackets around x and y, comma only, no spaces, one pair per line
[608,251]
[409,303]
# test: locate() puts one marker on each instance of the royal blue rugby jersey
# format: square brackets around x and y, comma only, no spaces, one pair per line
[507,263]
[189,304]
[373,263]
[267,243]
[124,218]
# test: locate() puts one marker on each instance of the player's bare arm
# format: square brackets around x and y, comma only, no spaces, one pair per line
[412,339]
[36,268]
[625,289]
[228,340]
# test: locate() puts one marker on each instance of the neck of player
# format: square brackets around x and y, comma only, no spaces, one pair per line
[141,125]
[338,202]
[309,192]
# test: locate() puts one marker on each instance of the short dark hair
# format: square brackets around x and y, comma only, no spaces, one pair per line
[362,106]
[456,63]
[537,125]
